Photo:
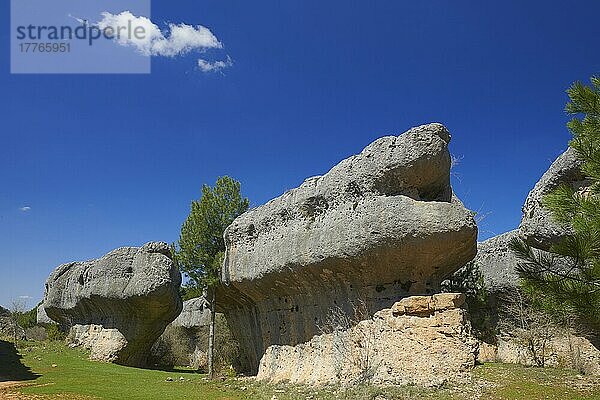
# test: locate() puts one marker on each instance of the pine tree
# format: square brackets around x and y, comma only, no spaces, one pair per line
[568,276]
[201,246]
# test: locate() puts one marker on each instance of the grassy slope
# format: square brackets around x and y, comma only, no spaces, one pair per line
[75,377]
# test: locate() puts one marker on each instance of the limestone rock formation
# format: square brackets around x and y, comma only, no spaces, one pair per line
[380,225]
[560,351]
[537,226]
[42,317]
[497,262]
[105,344]
[134,291]
[195,314]
[422,340]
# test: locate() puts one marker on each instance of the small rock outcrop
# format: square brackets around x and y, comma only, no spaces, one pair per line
[105,344]
[8,328]
[560,351]
[380,225]
[119,304]
[537,225]
[420,340]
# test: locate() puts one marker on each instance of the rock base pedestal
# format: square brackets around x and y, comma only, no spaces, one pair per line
[421,340]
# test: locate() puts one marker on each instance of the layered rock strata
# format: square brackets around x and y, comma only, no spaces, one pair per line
[420,340]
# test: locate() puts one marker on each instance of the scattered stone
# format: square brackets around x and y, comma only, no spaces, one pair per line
[380,225]
[169,379]
[119,304]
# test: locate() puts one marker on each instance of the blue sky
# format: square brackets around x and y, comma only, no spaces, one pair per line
[110,160]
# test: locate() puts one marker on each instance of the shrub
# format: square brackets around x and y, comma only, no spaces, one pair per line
[37,333]
[227,350]
[173,347]
[27,319]
[179,346]
[54,333]
[481,305]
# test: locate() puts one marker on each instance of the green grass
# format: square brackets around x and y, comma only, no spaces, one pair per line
[518,382]
[73,373]
[76,377]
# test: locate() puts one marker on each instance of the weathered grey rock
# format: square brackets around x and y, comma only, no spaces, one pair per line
[422,340]
[195,314]
[537,225]
[497,262]
[134,291]
[42,317]
[379,226]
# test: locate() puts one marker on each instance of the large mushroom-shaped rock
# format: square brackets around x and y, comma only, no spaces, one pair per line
[119,304]
[537,225]
[379,226]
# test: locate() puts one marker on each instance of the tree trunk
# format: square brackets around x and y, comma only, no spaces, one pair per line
[211,334]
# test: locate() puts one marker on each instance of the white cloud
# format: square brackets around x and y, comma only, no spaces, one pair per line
[215,66]
[24,297]
[24,208]
[147,38]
